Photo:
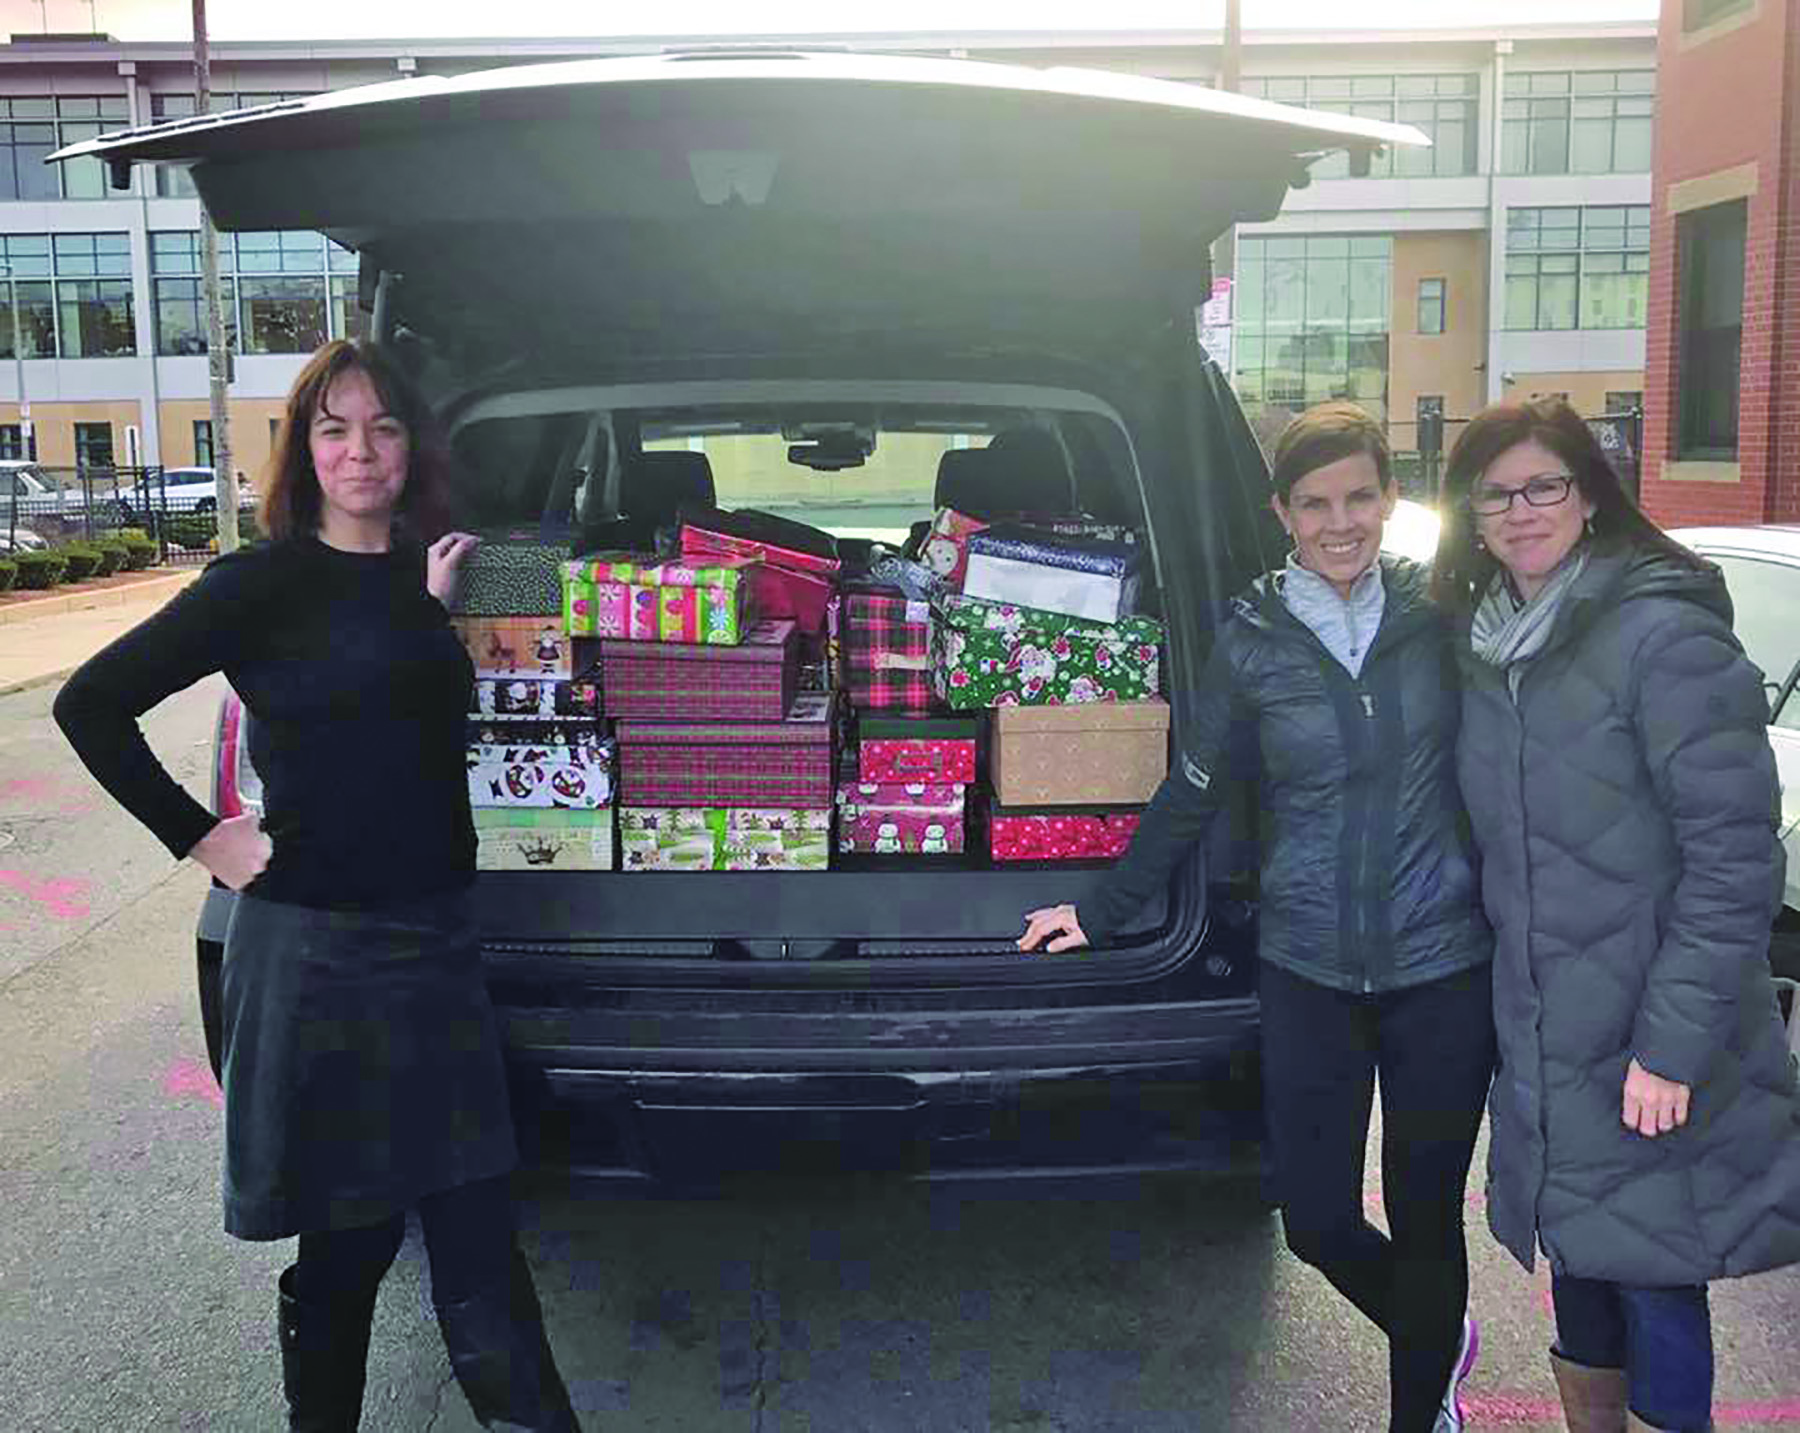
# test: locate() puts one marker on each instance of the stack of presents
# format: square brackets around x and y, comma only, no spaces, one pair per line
[751,701]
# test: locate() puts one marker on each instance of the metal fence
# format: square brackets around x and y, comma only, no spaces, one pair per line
[1419,451]
[42,504]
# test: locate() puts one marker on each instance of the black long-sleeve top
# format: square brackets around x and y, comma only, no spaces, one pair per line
[358,691]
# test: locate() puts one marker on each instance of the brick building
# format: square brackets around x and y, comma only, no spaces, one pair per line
[1722,369]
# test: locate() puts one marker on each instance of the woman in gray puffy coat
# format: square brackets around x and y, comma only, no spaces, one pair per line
[1645,1124]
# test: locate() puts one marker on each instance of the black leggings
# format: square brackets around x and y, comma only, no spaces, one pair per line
[468,1236]
[1433,1046]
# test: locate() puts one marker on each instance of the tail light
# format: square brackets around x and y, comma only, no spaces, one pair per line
[236,786]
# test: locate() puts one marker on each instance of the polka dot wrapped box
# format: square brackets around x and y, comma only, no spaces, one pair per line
[1061,834]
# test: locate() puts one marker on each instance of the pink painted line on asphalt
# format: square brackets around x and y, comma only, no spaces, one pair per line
[63,896]
[191,1077]
[1511,1410]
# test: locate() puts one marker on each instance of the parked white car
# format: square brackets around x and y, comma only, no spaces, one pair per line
[27,492]
[179,490]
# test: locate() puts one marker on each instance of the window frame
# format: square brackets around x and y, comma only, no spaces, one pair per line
[1558,243]
[1693,351]
[1545,108]
[1454,97]
[1440,306]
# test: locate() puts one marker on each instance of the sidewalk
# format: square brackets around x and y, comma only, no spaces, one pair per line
[43,639]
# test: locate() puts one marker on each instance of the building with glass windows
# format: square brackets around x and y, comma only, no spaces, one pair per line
[1510,257]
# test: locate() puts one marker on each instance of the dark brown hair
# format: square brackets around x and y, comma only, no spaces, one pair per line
[1323,435]
[292,503]
[1463,568]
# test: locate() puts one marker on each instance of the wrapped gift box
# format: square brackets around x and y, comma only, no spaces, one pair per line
[641,599]
[574,778]
[1089,754]
[945,553]
[724,838]
[515,840]
[534,697]
[990,654]
[916,818]
[731,763]
[1060,835]
[932,749]
[753,681]
[885,642]
[534,646]
[1074,576]
[1081,527]
[795,564]
[511,574]
[536,731]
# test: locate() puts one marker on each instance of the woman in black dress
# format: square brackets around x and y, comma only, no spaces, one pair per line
[362,1065]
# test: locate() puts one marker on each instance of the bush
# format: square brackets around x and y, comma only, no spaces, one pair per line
[39,569]
[114,555]
[140,548]
[82,562]
[193,530]
[9,573]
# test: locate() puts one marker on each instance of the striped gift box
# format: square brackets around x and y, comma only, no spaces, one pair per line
[759,764]
[670,681]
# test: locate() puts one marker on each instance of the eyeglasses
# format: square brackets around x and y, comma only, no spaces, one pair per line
[1543,491]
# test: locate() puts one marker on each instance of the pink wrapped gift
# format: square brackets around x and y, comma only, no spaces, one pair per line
[1060,835]
[946,550]
[784,581]
[916,818]
[930,749]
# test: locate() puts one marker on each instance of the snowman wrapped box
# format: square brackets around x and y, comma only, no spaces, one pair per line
[995,654]
[534,698]
[509,839]
[719,838]
[576,776]
[889,818]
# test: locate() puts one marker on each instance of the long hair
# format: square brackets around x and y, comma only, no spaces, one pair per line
[1463,568]
[1323,434]
[292,503]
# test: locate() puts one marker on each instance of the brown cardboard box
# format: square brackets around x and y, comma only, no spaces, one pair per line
[1082,754]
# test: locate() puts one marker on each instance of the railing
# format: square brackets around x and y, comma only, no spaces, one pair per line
[1419,453]
[80,504]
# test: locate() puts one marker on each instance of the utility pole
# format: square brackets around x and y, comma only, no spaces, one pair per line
[1224,248]
[218,356]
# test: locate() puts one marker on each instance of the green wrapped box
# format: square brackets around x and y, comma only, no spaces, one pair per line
[992,654]
[512,838]
[721,838]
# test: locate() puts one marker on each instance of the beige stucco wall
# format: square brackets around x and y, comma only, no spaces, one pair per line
[1587,391]
[1445,364]
[250,436]
[53,425]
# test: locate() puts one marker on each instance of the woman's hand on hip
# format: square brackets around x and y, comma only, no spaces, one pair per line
[1058,925]
[1652,1105]
[236,850]
[443,563]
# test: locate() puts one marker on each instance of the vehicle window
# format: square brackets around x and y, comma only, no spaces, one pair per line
[1765,596]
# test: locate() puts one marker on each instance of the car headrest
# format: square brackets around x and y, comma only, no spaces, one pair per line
[653,487]
[1021,470]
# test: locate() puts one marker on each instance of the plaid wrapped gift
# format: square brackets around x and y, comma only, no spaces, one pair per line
[724,838]
[511,574]
[988,654]
[667,681]
[1065,834]
[752,764]
[885,641]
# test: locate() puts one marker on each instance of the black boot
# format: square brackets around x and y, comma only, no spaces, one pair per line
[502,1358]
[324,1356]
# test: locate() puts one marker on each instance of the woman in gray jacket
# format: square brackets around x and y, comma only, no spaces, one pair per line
[1645,1127]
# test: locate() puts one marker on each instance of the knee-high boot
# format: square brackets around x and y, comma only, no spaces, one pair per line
[324,1359]
[502,1358]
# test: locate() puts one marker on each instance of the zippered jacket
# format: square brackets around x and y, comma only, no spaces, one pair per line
[1627,811]
[1368,881]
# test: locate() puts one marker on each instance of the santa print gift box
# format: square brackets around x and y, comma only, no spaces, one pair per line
[1060,834]
[888,818]
[514,840]
[990,654]
[533,646]
[522,773]
[642,599]
[884,639]
[696,838]
[1091,754]
[932,749]
[1077,577]
[783,764]
[534,698]
[672,681]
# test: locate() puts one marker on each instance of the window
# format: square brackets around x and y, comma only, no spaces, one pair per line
[285,315]
[1312,320]
[1443,106]
[93,445]
[289,294]
[1431,305]
[1629,400]
[174,182]
[1710,323]
[203,447]
[1698,14]
[32,127]
[1579,122]
[1577,268]
[12,443]
[1764,597]
[74,296]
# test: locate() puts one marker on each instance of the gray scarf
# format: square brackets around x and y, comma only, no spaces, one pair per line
[1508,631]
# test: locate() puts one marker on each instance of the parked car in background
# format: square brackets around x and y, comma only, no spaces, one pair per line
[28,494]
[178,490]
[1762,569]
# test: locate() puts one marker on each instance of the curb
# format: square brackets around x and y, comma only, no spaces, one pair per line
[57,603]
[42,679]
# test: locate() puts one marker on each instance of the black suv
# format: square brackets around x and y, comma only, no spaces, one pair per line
[734,252]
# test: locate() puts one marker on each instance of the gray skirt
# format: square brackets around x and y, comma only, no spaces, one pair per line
[362,1065]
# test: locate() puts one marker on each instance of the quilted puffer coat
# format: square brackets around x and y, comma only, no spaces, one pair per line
[1625,807]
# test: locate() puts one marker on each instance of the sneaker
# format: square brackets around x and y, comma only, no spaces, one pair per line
[1450,1413]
